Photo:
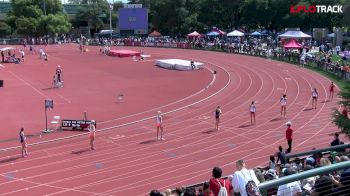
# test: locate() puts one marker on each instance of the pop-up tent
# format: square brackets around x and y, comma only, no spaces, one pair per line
[194,34]
[255,33]
[235,33]
[213,33]
[155,34]
[294,34]
[293,44]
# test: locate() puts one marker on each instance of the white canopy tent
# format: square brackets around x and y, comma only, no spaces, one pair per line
[235,33]
[294,34]
[7,48]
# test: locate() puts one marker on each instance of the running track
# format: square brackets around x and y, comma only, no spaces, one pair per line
[128,160]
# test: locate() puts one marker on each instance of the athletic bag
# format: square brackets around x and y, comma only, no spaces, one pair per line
[251,188]
[222,191]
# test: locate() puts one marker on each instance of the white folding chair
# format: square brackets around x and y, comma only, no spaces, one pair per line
[56,122]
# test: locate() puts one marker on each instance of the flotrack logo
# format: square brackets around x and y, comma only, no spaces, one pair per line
[316,9]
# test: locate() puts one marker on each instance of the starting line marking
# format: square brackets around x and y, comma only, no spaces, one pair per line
[117,137]
[204,117]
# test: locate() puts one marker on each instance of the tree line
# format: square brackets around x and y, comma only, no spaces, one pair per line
[173,17]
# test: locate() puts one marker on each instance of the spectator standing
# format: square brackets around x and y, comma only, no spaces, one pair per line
[337,49]
[241,177]
[22,54]
[289,136]
[336,140]
[2,57]
[216,182]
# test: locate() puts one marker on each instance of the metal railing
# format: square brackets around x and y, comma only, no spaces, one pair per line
[302,175]
[321,150]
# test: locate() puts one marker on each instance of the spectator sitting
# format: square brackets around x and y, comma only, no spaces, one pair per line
[308,183]
[345,181]
[167,192]
[190,192]
[281,156]
[216,182]
[323,186]
[272,163]
[310,161]
[241,177]
[336,140]
[344,158]
[205,191]
[292,188]
[155,193]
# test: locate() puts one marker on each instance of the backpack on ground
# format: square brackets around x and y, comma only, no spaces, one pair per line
[222,191]
[251,188]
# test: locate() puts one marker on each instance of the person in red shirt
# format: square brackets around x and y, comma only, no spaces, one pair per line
[289,136]
[331,91]
[216,182]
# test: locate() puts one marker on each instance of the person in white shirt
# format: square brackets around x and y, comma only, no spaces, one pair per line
[289,189]
[159,123]
[283,102]
[92,130]
[337,49]
[22,54]
[241,177]
[252,110]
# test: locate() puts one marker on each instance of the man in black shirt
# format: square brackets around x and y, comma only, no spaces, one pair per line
[336,140]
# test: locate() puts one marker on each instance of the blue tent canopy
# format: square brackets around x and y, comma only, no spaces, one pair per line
[213,33]
[255,33]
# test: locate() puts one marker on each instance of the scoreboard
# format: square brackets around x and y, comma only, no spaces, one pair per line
[133,18]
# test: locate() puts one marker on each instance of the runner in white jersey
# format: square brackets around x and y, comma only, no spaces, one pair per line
[159,122]
[252,110]
[283,102]
[92,130]
[314,98]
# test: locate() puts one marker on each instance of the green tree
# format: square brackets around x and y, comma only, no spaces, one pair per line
[5,29]
[339,119]
[27,17]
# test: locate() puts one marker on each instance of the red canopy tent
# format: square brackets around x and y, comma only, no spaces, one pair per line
[219,31]
[194,34]
[293,44]
[155,34]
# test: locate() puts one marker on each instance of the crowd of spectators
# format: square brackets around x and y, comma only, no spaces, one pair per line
[333,183]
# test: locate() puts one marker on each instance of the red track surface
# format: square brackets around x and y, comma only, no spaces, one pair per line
[128,160]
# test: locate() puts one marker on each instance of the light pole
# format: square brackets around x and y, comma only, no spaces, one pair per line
[44,7]
[110,16]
